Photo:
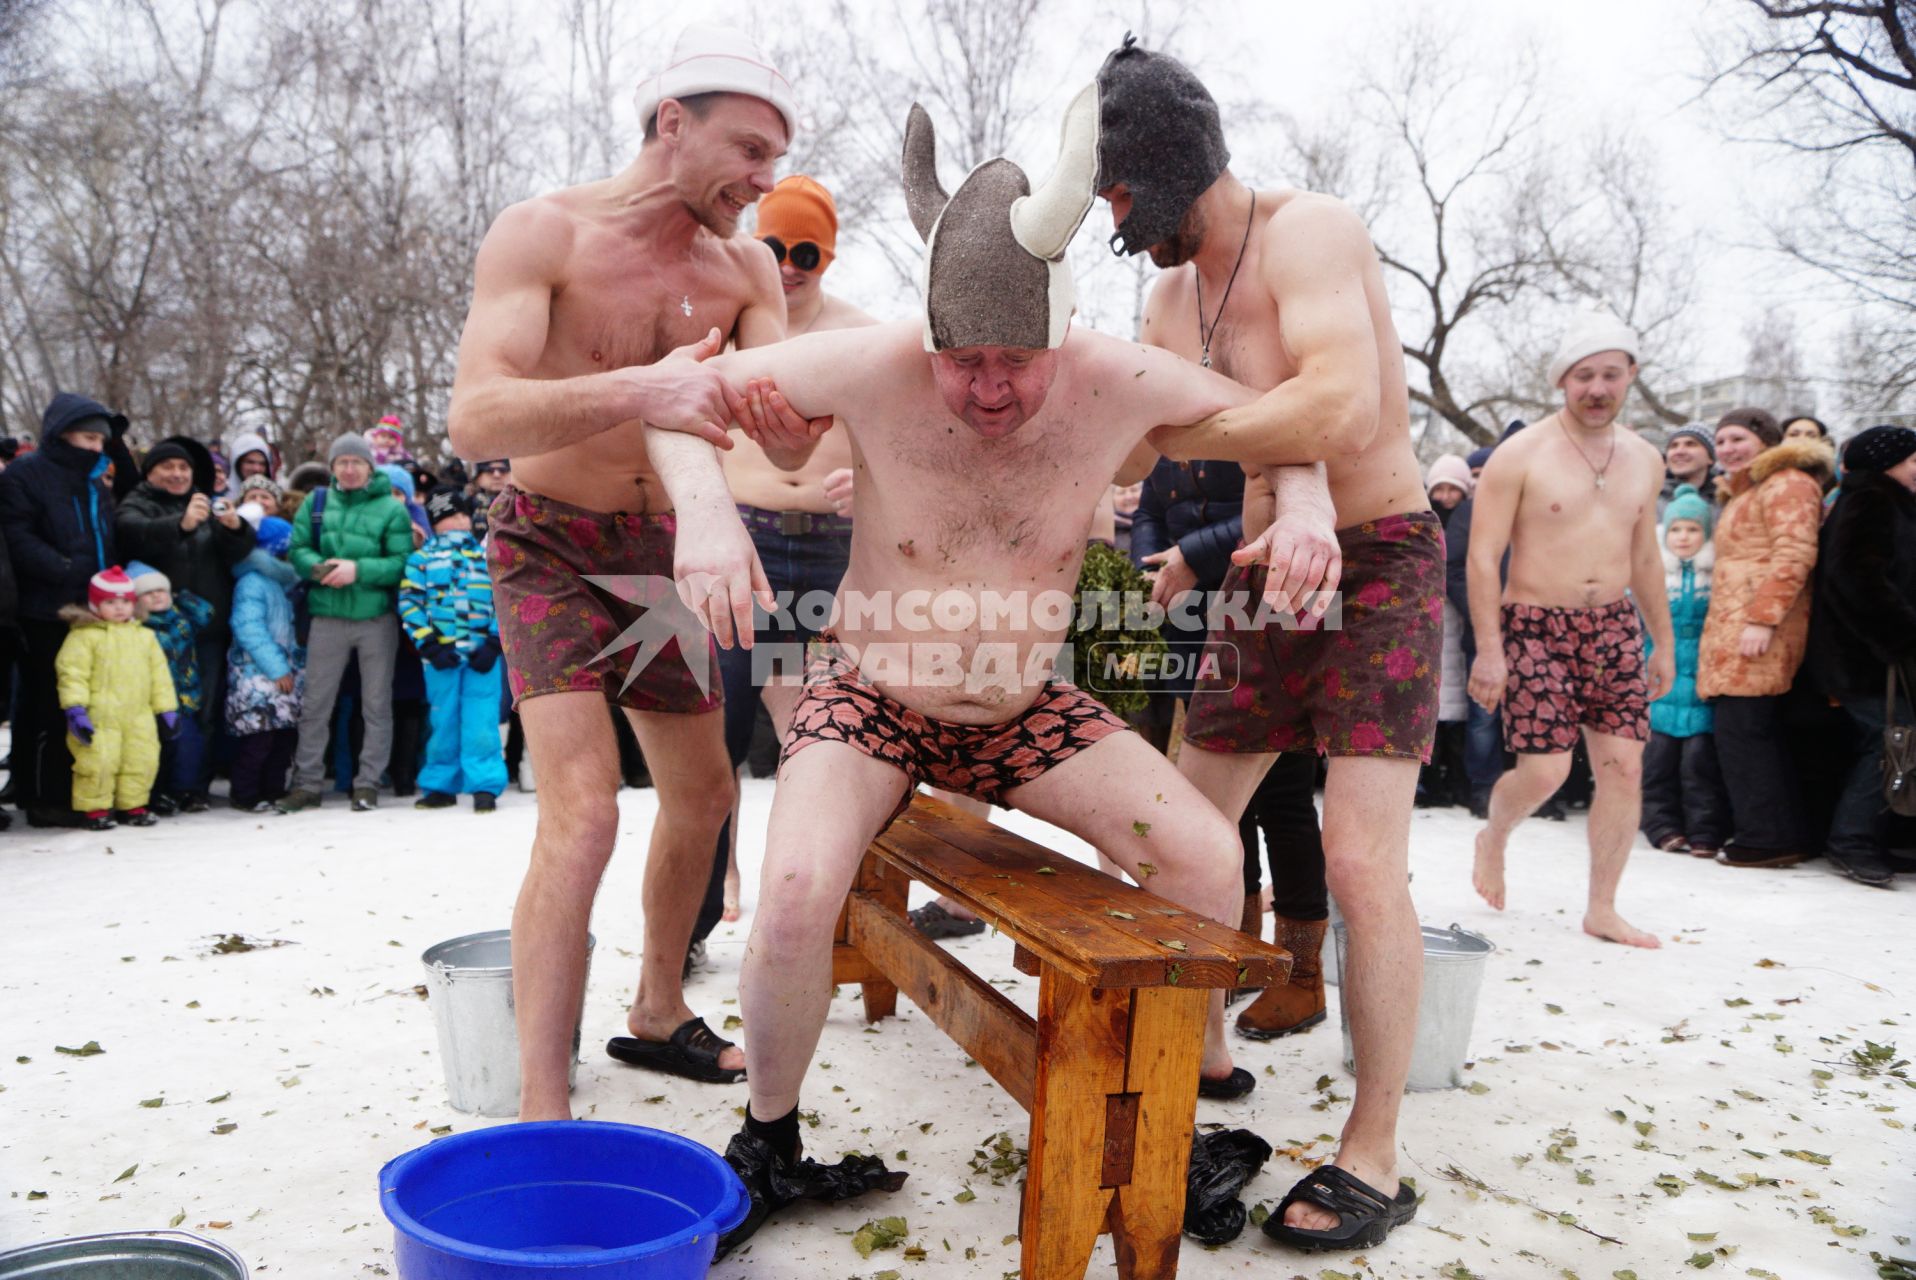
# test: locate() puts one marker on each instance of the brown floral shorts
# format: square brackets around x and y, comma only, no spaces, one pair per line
[1365,688]
[1572,668]
[979,760]
[562,634]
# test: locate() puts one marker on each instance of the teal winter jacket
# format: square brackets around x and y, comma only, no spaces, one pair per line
[1680,713]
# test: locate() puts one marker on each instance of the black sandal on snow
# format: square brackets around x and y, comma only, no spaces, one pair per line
[692,1052]
[1364,1216]
[1235,1085]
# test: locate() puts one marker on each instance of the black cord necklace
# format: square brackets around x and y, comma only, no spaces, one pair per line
[1203,336]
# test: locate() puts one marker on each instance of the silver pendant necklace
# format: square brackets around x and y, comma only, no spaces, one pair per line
[1595,470]
[1204,338]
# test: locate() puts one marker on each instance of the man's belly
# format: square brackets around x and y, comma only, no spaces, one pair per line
[608,473]
[1365,486]
[754,481]
[1561,576]
[965,656]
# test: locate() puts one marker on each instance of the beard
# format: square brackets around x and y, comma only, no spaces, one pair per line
[1183,244]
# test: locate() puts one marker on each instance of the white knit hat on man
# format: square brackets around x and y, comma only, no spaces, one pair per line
[710,58]
[1589,333]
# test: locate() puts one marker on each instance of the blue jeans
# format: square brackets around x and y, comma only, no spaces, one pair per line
[1483,747]
[464,754]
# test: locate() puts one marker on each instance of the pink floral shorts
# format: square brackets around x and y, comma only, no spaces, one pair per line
[979,760]
[1366,688]
[556,628]
[1572,669]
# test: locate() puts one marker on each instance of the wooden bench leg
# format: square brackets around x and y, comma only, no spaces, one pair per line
[1167,1048]
[890,890]
[1082,1039]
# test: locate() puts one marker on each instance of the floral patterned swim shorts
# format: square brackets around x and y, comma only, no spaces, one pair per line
[559,631]
[1572,668]
[979,760]
[1366,688]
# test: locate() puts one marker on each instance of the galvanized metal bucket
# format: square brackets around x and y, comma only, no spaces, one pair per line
[1454,963]
[469,981]
[127,1255]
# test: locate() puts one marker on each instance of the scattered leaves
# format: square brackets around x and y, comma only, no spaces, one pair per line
[226,1127]
[153,1102]
[1146,869]
[1670,1184]
[1121,915]
[879,1233]
[86,1050]
[1553,1008]
[1140,828]
[1173,944]
[128,1172]
[1812,1157]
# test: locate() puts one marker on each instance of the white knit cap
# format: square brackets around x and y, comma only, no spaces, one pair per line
[1589,333]
[710,58]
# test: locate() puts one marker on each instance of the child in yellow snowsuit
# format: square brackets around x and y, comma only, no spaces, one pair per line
[113,682]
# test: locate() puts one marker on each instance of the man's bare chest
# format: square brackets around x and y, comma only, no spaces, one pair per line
[624,316]
[978,510]
[1242,343]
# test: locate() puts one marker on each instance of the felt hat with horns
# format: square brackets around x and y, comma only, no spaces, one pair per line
[994,272]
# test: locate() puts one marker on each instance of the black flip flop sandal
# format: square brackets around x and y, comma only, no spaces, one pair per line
[692,1052]
[1365,1217]
[1235,1085]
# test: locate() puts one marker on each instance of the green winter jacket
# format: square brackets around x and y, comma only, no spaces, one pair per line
[368,526]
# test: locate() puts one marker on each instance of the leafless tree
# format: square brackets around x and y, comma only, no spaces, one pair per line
[1833,82]
[1484,247]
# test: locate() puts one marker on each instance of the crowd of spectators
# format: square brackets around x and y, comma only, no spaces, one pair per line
[277,627]
[1790,563]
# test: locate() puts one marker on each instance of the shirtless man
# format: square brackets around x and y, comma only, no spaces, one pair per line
[980,467]
[1282,291]
[1574,498]
[801,530]
[578,297]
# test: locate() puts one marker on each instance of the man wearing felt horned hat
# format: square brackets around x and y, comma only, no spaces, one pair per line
[983,435]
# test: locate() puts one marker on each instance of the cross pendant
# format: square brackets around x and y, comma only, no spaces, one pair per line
[1599,480]
[1206,362]
[685,305]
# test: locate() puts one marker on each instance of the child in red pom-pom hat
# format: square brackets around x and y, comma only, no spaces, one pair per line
[114,683]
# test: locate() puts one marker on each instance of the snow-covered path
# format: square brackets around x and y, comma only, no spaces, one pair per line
[1615,1092]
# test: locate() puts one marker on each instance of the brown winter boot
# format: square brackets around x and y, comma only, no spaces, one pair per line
[1252,926]
[1298,1005]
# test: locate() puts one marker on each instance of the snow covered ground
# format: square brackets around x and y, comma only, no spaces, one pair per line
[1674,1101]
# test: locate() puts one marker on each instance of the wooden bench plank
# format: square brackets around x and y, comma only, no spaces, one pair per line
[1156,918]
[997,1033]
[1060,933]
[1153,943]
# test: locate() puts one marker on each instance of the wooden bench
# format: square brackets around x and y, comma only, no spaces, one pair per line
[1108,1069]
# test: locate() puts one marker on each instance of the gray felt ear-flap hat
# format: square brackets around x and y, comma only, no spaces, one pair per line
[1160,135]
[993,272]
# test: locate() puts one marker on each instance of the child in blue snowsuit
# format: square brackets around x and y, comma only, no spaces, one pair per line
[445,606]
[176,619]
[1685,806]
[264,665]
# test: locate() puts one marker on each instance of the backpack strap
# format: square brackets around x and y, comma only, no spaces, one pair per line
[318,501]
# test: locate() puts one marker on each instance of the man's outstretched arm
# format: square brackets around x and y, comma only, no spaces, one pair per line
[714,563]
[499,410]
[1331,406]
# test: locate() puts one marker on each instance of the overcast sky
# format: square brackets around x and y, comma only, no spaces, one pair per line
[1626,61]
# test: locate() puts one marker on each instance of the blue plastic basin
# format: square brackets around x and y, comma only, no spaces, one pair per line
[559,1198]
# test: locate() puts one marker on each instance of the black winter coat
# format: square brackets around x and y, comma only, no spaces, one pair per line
[1199,506]
[56,515]
[1863,606]
[148,528]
